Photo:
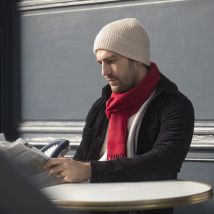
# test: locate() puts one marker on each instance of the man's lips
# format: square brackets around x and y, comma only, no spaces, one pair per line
[111,80]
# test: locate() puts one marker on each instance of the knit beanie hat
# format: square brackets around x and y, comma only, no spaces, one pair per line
[125,37]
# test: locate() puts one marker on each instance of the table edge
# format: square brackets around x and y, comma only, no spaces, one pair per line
[137,205]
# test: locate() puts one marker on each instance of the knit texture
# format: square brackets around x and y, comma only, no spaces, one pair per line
[125,37]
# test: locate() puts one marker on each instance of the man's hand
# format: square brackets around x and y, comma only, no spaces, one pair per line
[68,169]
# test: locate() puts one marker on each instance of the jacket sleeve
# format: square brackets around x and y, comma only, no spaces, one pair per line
[165,158]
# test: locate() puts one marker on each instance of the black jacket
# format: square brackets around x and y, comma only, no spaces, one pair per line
[163,141]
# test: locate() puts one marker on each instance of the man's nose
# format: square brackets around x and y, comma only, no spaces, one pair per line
[106,69]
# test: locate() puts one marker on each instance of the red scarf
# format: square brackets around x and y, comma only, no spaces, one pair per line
[120,106]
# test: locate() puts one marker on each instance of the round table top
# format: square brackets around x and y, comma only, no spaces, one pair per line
[128,196]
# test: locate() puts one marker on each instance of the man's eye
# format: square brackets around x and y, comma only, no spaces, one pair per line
[112,61]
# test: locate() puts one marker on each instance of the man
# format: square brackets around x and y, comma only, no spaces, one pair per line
[141,128]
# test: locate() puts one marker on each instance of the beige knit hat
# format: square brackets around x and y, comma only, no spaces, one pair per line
[125,37]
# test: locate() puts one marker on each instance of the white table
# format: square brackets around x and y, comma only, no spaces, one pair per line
[128,196]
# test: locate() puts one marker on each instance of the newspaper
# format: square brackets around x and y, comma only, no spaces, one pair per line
[2,138]
[30,160]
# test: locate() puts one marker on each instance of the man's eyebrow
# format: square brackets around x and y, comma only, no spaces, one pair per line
[108,58]
[112,57]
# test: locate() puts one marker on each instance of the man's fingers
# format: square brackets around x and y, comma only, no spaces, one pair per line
[55,170]
[52,162]
[68,170]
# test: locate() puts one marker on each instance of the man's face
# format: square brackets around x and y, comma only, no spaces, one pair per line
[120,73]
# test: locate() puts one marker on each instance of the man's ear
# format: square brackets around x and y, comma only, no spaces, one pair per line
[137,64]
[141,66]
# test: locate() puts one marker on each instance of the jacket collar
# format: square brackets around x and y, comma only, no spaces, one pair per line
[164,86]
[167,86]
[106,92]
